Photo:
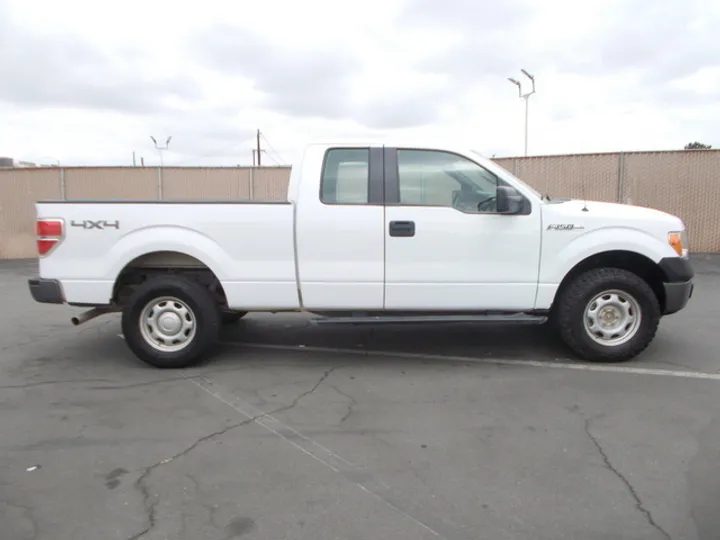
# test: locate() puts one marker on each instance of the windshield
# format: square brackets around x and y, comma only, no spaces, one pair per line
[507,173]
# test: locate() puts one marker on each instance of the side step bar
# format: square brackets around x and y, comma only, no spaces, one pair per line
[511,318]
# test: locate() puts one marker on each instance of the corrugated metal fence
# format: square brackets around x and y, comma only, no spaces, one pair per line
[685,183]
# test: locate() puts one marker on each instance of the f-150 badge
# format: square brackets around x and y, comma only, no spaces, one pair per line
[563,227]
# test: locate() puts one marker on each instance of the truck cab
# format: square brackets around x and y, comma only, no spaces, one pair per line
[376,233]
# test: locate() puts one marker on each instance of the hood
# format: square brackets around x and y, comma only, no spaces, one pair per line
[608,212]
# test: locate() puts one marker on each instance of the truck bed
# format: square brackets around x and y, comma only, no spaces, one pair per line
[249,245]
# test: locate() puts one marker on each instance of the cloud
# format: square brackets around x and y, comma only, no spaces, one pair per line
[612,74]
[472,39]
[65,70]
[665,40]
[301,79]
[661,41]
[322,80]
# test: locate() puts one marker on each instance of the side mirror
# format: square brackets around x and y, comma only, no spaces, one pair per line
[508,200]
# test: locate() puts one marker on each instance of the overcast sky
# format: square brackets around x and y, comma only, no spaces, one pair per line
[88,82]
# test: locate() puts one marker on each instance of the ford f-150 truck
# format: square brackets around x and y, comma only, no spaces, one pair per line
[369,234]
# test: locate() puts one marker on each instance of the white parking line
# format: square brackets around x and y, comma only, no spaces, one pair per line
[577,366]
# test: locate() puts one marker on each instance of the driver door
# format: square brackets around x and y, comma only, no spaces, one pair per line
[446,249]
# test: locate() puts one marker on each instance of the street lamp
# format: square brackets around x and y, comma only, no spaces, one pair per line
[161,148]
[526,97]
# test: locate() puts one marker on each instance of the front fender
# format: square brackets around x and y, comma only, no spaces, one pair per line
[166,238]
[556,264]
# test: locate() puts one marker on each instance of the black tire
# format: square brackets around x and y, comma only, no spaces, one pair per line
[202,308]
[231,317]
[569,315]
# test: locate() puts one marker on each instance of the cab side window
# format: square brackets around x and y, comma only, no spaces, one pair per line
[345,176]
[436,178]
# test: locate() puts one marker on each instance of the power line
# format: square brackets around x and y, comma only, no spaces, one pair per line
[273,149]
[274,160]
[212,153]
[257,152]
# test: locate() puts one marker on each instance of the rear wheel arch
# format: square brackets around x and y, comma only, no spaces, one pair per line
[162,263]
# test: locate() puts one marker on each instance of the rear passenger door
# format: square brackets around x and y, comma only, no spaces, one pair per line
[340,232]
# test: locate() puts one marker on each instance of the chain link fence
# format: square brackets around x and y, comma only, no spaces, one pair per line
[685,183]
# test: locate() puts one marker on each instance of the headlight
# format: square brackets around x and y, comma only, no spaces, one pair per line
[678,240]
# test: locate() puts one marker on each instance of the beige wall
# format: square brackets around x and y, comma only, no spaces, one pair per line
[20,188]
[685,183]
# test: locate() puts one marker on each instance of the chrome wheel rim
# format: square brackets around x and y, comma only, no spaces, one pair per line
[167,324]
[612,318]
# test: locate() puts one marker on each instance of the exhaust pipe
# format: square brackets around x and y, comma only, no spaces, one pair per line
[91,314]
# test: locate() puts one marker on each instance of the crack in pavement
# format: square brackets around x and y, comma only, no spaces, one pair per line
[137,385]
[107,381]
[638,502]
[141,483]
[295,401]
[43,383]
[350,406]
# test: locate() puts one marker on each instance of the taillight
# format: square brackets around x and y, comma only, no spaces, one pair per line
[49,234]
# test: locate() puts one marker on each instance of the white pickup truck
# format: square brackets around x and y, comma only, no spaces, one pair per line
[369,234]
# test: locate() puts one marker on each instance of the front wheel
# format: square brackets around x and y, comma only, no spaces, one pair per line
[607,315]
[171,322]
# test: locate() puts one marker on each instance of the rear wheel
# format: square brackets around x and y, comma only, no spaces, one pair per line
[607,315]
[171,322]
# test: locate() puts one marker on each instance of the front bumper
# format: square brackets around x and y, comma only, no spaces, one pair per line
[678,285]
[677,295]
[46,291]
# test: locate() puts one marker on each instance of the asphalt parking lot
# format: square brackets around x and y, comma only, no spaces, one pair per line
[459,432]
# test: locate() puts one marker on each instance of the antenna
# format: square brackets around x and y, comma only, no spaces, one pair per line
[582,186]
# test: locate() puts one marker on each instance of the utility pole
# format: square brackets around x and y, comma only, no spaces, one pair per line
[259,160]
[526,97]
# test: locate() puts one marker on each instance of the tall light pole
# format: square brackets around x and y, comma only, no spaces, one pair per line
[161,148]
[160,168]
[526,97]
